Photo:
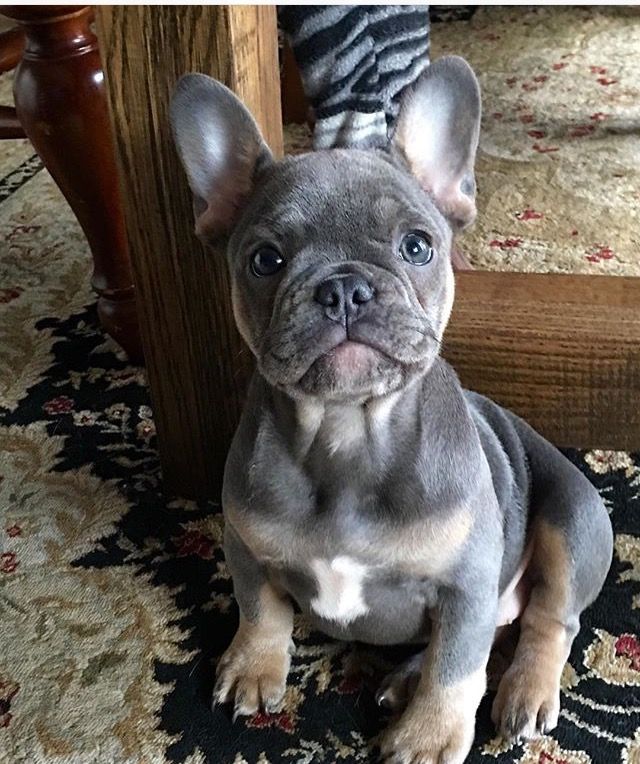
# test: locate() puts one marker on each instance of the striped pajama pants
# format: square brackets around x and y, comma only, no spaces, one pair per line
[355,61]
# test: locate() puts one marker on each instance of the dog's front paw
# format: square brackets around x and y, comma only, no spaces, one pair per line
[527,703]
[434,737]
[253,676]
[439,724]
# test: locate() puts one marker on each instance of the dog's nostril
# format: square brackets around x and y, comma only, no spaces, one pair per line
[362,294]
[329,293]
[357,290]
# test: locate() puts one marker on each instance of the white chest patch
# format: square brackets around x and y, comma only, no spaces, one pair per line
[339,589]
[343,428]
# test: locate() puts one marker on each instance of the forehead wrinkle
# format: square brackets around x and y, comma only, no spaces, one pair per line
[288,211]
[395,212]
[317,197]
[274,222]
[394,209]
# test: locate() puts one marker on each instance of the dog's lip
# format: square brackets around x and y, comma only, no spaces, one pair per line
[339,345]
[350,354]
[350,348]
[351,343]
[376,347]
[346,353]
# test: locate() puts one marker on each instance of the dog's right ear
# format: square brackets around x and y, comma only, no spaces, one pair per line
[437,131]
[221,149]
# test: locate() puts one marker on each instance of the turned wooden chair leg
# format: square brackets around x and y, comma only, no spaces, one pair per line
[61,104]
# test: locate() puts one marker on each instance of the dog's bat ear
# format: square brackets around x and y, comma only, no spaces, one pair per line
[437,132]
[221,149]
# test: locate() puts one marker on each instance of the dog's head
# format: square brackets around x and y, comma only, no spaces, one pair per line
[340,260]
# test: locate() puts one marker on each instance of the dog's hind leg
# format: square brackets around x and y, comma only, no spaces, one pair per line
[572,540]
[528,698]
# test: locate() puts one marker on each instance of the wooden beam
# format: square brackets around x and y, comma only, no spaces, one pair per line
[561,351]
[196,362]
[10,126]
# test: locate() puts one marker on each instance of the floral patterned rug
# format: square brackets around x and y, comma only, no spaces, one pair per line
[114,599]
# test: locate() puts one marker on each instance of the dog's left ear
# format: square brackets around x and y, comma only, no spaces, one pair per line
[221,149]
[437,132]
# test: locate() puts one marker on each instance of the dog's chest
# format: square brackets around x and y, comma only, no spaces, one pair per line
[353,592]
[349,569]
[350,531]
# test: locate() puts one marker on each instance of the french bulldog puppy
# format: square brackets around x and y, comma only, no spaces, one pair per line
[363,483]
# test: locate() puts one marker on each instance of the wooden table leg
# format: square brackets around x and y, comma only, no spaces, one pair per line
[60,103]
[196,362]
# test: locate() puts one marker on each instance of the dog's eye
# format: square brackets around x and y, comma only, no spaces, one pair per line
[416,248]
[266,261]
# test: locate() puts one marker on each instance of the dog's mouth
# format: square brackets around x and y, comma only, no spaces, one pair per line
[350,363]
[351,356]
[350,369]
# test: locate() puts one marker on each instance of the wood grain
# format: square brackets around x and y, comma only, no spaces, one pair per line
[561,351]
[196,362]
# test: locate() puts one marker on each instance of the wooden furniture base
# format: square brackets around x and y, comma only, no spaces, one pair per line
[561,351]
[61,106]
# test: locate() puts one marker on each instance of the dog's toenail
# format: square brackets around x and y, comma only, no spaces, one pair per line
[384,701]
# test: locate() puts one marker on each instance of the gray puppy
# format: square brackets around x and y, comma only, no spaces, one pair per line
[363,482]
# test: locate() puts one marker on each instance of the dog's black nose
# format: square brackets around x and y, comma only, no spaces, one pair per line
[343,294]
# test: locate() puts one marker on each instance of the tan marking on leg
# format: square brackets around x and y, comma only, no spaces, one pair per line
[253,670]
[439,723]
[429,548]
[528,699]
[266,541]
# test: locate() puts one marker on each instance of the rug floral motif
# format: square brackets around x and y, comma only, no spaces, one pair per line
[115,601]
